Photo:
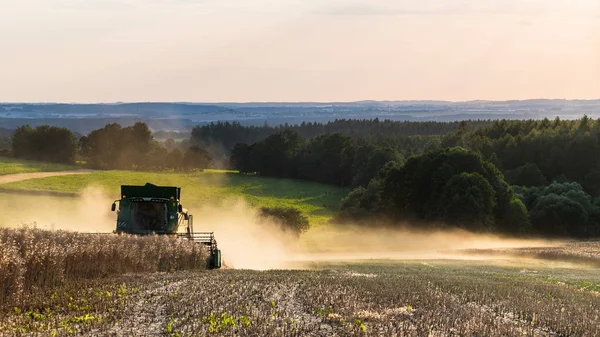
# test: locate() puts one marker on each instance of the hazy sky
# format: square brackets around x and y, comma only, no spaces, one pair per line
[297,50]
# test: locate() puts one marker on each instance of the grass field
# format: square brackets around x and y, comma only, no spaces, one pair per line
[14,166]
[318,201]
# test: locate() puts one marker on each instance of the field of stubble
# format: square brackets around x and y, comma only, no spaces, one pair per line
[130,292]
[376,298]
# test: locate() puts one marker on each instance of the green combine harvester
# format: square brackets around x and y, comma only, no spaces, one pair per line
[151,209]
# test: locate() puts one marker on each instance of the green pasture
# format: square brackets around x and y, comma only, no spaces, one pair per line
[14,166]
[318,201]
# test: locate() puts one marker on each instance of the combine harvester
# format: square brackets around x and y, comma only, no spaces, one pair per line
[151,209]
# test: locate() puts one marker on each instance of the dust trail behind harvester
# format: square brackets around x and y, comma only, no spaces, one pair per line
[89,212]
[350,242]
[248,241]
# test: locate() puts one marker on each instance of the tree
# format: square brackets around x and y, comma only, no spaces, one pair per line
[559,216]
[45,143]
[592,182]
[196,158]
[175,159]
[526,175]
[515,218]
[277,153]
[368,160]
[468,201]
[327,159]
[103,147]
[21,145]
[122,148]
[454,186]
[288,218]
[561,209]
[495,160]
[240,158]
[362,204]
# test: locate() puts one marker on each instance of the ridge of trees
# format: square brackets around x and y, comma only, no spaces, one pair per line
[227,134]
[538,152]
[334,159]
[535,157]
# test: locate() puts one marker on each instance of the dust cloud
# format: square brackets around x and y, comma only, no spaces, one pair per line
[89,212]
[351,242]
[248,241]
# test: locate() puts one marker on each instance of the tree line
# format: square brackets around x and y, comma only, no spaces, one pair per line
[335,159]
[44,143]
[539,152]
[111,147]
[533,176]
[221,137]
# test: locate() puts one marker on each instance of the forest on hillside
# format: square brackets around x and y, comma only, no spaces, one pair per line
[519,177]
[533,176]
[228,134]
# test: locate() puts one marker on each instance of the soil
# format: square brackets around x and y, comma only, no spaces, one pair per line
[11,178]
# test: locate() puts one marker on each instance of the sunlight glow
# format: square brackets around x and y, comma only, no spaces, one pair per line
[297,50]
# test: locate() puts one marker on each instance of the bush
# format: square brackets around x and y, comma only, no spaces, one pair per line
[362,204]
[561,209]
[289,218]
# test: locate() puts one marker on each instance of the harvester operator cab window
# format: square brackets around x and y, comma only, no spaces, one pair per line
[149,216]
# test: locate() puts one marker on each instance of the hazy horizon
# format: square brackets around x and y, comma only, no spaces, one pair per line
[299,102]
[208,51]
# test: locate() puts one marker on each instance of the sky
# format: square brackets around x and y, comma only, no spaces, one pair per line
[298,50]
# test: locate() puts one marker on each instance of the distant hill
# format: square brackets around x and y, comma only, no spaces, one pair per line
[182,116]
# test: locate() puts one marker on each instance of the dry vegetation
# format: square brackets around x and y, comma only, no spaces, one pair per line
[375,299]
[33,260]
[62,283]
[409,300]
[578,252]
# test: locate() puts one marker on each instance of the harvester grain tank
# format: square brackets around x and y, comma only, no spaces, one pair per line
[151,209]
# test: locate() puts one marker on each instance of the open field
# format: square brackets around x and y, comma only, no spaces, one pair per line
[14,166]
[379,298]
[587,253]
[338,281]
[318,201]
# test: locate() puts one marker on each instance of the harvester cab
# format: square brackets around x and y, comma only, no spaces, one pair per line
[151,209]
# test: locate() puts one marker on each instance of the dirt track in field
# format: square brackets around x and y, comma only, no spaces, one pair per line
[11,178]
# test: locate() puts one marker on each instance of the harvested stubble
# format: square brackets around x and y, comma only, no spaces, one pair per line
[578,252]
[406,301]
[33,259]
[388,299]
